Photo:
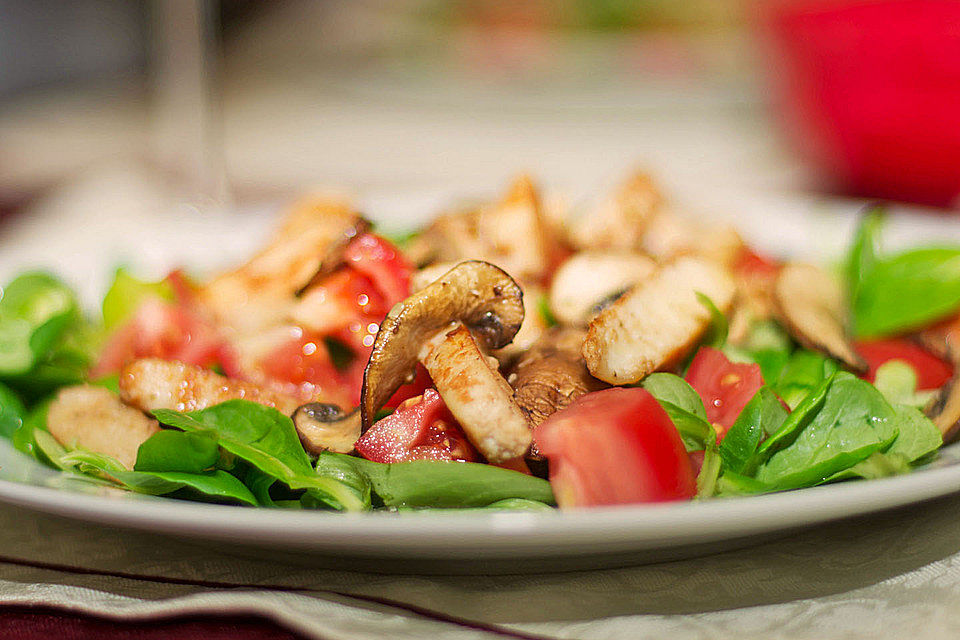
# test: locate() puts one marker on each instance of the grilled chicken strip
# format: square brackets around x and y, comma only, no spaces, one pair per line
[95,419]
[150,384]
[476,394]
[657,322]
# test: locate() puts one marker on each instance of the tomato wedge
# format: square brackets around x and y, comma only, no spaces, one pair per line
[616,446]
[725,387]
[160,329]
[932,372]
[379,260]
[420,429]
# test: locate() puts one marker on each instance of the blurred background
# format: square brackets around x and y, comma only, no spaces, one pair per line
[108,105]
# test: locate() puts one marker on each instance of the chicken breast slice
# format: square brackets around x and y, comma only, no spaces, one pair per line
[95,419]
[260,292]
[477,395]
[657,322]
[151,383]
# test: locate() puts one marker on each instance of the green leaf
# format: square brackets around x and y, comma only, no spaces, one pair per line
[878,465]
[218,484]
[341,468]
[267,439]
[863,253]
[765,344]
[852,422]
[685,408]
[734,484]
[803,372]
[907,291]
[12,411]
[127,293]
[761,416]
[709,473]
[897,381]
[667,387]
[446,484]
[546,314]
[719,327]
[35,310]
[918,436]
[169,450]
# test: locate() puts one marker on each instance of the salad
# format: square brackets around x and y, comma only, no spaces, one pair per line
[509,355]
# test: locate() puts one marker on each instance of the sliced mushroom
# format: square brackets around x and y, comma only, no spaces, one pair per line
[95,419]
[657,322]
[534,324]
[809,303]
[324,427]
[151,383]
[424,277]
[476,394]
[552,374]
[944,409]
[489,304]
[588,279]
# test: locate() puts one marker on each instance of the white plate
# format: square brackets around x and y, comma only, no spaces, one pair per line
[455,542]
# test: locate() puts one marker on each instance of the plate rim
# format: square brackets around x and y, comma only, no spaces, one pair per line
[503,533]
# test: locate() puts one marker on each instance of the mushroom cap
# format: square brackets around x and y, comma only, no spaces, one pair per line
[324,427]
[478,294]
[589,278]
[552,374]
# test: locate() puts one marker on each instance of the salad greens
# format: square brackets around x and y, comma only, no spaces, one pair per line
[890,294]
[811,423]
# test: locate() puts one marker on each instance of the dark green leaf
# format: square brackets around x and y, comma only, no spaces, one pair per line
[447,484]
[719,327]
[684,407]
[169,450]
[709,472]
[267,439]
[803,372]
[35,310]
[12,412]
[217,484]
[763,415]
[907,291]
[853,421]
[863,253]
[666,387]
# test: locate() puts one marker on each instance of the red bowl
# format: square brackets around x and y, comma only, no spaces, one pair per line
[869,92]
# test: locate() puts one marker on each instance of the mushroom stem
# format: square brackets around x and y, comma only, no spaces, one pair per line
[477,395]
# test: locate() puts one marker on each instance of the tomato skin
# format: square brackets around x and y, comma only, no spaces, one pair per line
[932,372]
[379,260]
[725,387]
[160,329]
[751,263]
[302,367]
[420,429]
[616,446]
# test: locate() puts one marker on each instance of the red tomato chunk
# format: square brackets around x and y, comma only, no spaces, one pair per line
[725,387]
[616,446]
[420,429]
[932,372]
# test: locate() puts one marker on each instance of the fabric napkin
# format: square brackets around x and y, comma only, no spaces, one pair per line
[894,574]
